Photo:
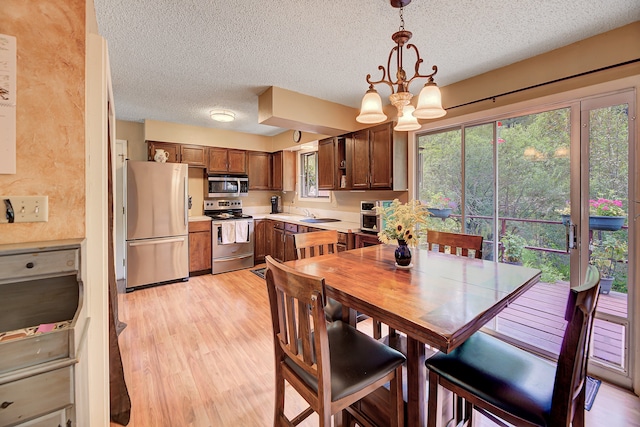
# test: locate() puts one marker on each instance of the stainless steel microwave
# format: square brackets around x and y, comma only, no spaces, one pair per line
[227,186]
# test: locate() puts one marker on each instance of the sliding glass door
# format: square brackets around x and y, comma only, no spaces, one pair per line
[527,183]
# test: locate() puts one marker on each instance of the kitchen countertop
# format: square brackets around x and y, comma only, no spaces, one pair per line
[199,218]
[341,226]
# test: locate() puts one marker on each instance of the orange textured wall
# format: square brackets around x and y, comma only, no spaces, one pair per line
[50,115]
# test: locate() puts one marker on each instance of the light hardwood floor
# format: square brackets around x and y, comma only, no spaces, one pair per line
[199,353]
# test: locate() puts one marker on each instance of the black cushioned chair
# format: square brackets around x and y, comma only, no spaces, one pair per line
[517,386]
[331,365]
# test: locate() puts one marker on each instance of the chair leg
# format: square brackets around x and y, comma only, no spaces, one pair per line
[279,400]
[377,329]
[432,407]
[396,401]
[578,407]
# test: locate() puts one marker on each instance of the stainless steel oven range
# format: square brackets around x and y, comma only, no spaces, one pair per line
[232,235]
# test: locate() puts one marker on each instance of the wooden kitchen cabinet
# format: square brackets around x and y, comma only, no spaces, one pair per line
[372,158]
[283,171]
[289,241]
[194,155]
[277,240]
[359,159]
[170,147]
[262,236]
[227,160]
[327,164]
[258,169]
[199,247]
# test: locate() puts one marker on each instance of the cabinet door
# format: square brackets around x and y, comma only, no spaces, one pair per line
[276,171]
[199,246]
[381,156]
[258,170]
[277,244]
[261,249]
[217,160]
[289,247]
[236,161]
[326,164]
[359,169]
[170,147]
[194,155]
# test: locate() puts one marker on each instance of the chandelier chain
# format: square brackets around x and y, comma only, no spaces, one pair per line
[401,19]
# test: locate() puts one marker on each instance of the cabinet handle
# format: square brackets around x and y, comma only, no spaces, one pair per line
[30,265]
[5,405]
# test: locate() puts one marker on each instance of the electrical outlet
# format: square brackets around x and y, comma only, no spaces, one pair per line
[25,208]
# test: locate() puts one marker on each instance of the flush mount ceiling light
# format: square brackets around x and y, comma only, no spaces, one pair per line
[222,115]
[429,101]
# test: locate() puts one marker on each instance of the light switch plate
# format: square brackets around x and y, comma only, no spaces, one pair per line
[26,208]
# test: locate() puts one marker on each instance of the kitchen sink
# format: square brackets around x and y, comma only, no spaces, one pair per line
[319,220]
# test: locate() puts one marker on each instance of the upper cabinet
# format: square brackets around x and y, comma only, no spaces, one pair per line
[283,171]
[327,164]
[227,160]
[172,148]
[258,168]
[373,158]
[194,155]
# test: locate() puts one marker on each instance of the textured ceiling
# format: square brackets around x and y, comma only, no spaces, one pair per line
[175,60]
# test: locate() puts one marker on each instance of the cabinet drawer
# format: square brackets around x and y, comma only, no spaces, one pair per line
[35,396]
[199,226]
[33,350]
[25,266]
[292,228]
[278,225]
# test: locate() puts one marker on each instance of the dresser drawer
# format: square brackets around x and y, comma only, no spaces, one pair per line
[25,266]
[33,350]
[292,228]
[35,396]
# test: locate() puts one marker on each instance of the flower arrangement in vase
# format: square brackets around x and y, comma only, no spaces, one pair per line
[402,221]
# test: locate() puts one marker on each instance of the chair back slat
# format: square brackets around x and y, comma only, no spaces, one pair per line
[455,243]
[315,243]
[572,362]
[298,324]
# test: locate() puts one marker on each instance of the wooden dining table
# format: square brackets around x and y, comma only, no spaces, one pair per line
[441,300]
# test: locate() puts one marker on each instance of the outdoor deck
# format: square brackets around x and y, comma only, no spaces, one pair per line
[537,317]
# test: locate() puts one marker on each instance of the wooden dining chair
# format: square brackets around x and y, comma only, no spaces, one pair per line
[497,378]
[455,242]
[330,364]
[320,243]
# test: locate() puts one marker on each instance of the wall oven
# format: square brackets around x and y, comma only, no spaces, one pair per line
[370,221]
[227,186]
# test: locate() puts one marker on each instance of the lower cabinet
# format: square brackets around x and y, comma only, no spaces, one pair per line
[199,246]
[275,238]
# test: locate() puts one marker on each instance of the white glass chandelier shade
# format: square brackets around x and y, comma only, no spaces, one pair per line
[407,122]
[222,115]
[371,108]
[429,102]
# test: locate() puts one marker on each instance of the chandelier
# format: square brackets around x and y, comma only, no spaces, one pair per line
[429,104]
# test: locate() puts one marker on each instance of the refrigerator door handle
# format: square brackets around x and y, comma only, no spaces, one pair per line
[186,201]
[156,242]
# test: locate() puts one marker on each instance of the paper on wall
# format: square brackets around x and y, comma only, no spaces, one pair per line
[7,104]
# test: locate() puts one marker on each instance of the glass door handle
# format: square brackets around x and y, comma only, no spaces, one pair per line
[572,242]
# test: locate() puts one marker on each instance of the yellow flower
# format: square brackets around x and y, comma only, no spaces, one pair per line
[402,221]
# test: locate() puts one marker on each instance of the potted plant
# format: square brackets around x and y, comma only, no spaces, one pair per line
[402,222]
[513,248]
[605,214]
[439,205]
[605,255]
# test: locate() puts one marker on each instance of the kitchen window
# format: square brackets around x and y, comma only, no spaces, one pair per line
[309,177]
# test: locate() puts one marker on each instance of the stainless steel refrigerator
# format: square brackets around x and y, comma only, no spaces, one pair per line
[157,223]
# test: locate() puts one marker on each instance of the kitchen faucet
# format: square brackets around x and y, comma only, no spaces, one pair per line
[308,213]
